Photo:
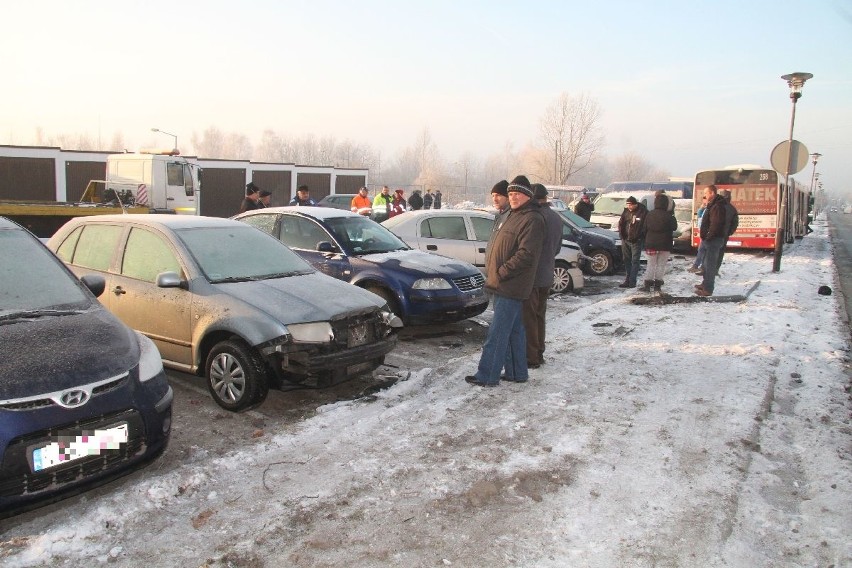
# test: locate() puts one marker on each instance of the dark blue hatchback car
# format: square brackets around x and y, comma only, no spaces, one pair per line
[601,247]
[419,287]
[83,398]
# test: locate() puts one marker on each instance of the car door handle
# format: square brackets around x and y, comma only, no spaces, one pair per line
[482,250]
[118,290]
[431,247]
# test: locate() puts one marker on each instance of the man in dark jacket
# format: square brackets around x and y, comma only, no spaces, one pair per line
[713,233]
[732,222]
[660,225]
[427,199]
[437,203]
[513,256]
[631,227]
[251,200]
[416,200]
[535,307]
[584,207]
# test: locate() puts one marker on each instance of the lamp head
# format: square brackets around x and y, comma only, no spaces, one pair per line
[796,81]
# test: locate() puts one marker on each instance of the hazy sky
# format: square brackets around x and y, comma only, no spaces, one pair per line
[687,85]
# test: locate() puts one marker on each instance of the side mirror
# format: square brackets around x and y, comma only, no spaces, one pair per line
[325,246]
[168,280]
[95,283]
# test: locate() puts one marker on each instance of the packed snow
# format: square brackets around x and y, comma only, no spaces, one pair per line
[695,434]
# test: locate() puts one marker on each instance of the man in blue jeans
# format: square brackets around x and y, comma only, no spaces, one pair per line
[631,228]
[713,236]
[513,254]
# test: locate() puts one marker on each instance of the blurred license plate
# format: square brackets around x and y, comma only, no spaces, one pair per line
[359,335]
[69,448]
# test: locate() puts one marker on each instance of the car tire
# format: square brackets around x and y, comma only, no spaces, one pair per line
[387,296]
[562,281]
[236,376]
[600,263]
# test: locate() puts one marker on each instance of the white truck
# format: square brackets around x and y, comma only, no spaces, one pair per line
[146,182]
[162,181]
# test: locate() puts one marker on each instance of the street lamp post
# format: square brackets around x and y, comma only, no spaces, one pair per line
[795,81]
[814,157]
[167,134]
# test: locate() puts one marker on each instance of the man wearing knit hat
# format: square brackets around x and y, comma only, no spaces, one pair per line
[250,202]
[513,256]
[535,307]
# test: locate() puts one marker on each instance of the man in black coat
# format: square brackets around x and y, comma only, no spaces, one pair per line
[584,207]
[416,200]
[631,228]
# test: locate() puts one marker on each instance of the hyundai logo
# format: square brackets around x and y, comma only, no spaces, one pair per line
[73,398]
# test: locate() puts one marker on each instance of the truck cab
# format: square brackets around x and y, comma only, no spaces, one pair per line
[161,180]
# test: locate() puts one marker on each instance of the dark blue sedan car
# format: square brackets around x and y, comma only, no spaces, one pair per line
[419,287]
[83,398]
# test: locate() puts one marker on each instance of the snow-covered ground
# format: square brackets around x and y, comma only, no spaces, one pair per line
[706,434]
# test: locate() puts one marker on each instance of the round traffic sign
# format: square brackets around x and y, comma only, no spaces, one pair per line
[797,161]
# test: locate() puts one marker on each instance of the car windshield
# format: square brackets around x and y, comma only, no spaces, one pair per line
[32,280]
[576,219]
[239,254]
[609,205]
[359,235]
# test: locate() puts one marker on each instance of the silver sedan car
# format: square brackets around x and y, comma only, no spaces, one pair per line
[463,234]
[226,301]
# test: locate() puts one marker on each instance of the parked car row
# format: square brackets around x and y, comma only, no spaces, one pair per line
[272,297]
[463,234]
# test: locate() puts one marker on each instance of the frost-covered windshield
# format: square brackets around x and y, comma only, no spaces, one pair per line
[241,253]
[359,235]
[609,205]
[32,279]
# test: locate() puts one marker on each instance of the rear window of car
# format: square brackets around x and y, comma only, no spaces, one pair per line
[444,228]
[96,246]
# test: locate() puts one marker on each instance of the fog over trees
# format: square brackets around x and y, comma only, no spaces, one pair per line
[569,150]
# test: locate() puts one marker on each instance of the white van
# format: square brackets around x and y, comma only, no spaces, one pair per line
[608,209]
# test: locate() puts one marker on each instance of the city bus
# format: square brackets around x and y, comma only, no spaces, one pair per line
[756,192]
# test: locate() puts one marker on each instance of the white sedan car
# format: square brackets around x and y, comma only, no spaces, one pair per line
[463,234]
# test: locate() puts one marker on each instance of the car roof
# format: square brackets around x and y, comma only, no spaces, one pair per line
[444,213]
[160,220]
[316,212]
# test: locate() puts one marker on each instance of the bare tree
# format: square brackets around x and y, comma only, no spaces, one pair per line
[211,143]
[571,135]
[237,147]
[117,142]
[630,166]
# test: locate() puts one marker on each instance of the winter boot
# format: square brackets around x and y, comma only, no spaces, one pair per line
[646,287]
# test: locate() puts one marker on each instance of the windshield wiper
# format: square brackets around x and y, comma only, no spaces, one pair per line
[282,274]
[36,314]
[234,279]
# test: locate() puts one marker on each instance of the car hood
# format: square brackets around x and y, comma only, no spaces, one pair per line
[304,298]
[608,234]
[421,264]
[60,352]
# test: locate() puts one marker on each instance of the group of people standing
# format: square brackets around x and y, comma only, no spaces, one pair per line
[257,198]
[652,232]
[386,205]
[519,261]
